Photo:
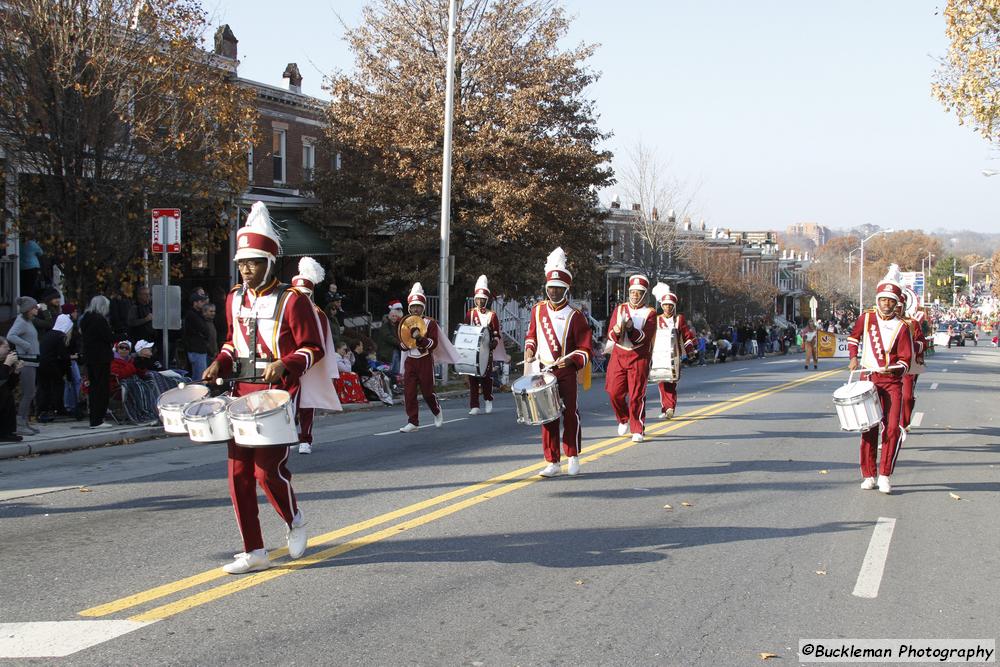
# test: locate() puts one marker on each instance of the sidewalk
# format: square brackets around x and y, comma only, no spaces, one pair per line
[67,435]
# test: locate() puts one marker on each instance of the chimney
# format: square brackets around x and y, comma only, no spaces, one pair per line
[703,224]
[294,77]
[616,202]
[671,217]
[636,207]
[656,215]
[225,42]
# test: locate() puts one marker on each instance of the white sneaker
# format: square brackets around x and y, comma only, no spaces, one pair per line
[305,448]
[474,411]
[574,465]
[868,484]
[409,428]
[297,537]
[663,414]
[883,484]
[101,425]
[551,470]
[489,406]
[638,437]
[623,429]
[255,561]
[669,413]
[439,419]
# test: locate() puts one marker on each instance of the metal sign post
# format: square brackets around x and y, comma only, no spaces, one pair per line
[166,232]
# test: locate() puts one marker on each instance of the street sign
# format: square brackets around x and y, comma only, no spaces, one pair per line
[167,312]
[166,230]
[915,281]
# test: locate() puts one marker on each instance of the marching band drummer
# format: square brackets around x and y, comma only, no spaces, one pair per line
[481,316]
[886,354]
[431,347]
[632,329]
[907,311]
[311,274]
[671,319]
[559,336]
[272,338]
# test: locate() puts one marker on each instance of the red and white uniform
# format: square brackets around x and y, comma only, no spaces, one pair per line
[628,371]
[668,390]
[910,379]
[286,329]
[884,343]
[554,332]
[483,318]
[418,371]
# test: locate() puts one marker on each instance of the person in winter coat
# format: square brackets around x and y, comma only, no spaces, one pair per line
[53,369]
[97,339]
[24,337]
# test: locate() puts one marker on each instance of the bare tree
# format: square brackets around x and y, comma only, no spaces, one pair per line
[658,200]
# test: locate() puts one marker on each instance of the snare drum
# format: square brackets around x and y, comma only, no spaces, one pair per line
[665,365]
[857,405]
[171,405]
[536,399]
[263,419]
[473,346]
[207,421]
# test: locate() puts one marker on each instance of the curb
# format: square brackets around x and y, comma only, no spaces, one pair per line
[88,440]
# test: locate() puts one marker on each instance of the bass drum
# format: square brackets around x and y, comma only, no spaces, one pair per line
[536,399]
[263,419]
[171,405]
[473,346]
[207,421]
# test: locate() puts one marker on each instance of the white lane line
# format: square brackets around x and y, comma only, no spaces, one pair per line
[57,639]
[916,419]
[934,385]
[954,362]
[944,370]
[446,421]
[870,577]
[737,370]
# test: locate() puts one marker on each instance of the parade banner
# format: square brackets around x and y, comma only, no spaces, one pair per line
[831,345]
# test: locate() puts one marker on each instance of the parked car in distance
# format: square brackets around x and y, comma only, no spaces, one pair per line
[969,331]
[942,339]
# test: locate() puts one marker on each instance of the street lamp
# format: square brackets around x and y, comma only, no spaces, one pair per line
[850,262]
[927,261]
[971,282]
[861,271]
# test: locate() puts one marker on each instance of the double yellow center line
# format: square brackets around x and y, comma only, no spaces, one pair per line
[485,490]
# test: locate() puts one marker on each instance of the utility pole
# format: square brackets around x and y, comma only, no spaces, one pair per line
[449,112]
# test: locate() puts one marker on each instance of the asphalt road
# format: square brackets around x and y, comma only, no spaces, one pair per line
[734,530]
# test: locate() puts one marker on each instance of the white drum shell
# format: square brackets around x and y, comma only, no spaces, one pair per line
[171,408]
[473,346]
[267,429]
[209,428]
[665,366]
[536,399]
[858,407]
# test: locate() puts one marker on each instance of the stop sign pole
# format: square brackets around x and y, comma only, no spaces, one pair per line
[166,232]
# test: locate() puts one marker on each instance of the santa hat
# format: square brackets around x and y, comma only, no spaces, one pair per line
[395,304]
[416,295]
[662,294]
[310,274]
[257,238]
[638,281]
[890,286]
[556,273]
[482,289]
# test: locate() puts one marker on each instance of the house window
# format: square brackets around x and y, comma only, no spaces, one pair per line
[308,160]
[250,164]
[278,154]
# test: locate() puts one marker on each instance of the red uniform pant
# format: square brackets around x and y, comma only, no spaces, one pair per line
[625,383]
[571,435]
[419,372]
[890,395]
[267,466]
[668,395]
[476,383]
[305,417]
[909,398]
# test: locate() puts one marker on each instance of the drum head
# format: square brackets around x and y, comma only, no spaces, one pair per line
[259,404]
[180,396]
[853,389]
[531,383]
[205,408]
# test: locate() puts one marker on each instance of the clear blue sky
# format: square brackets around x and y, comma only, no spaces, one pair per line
[783,111]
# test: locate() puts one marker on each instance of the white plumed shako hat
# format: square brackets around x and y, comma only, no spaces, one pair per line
[663,295]
[556,273]
[417,295]
[257,239]
[482,288]
[310,274]
[890,285]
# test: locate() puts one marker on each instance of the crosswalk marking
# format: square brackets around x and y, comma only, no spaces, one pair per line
[57,639]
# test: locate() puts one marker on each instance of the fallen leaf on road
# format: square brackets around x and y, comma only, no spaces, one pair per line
[821,572]
[668,507]
[824,472]
[768,656]
[955,496]
[686,505]
[84,489]
[578,582]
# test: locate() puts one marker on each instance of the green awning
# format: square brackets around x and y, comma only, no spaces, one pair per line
[298,239]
